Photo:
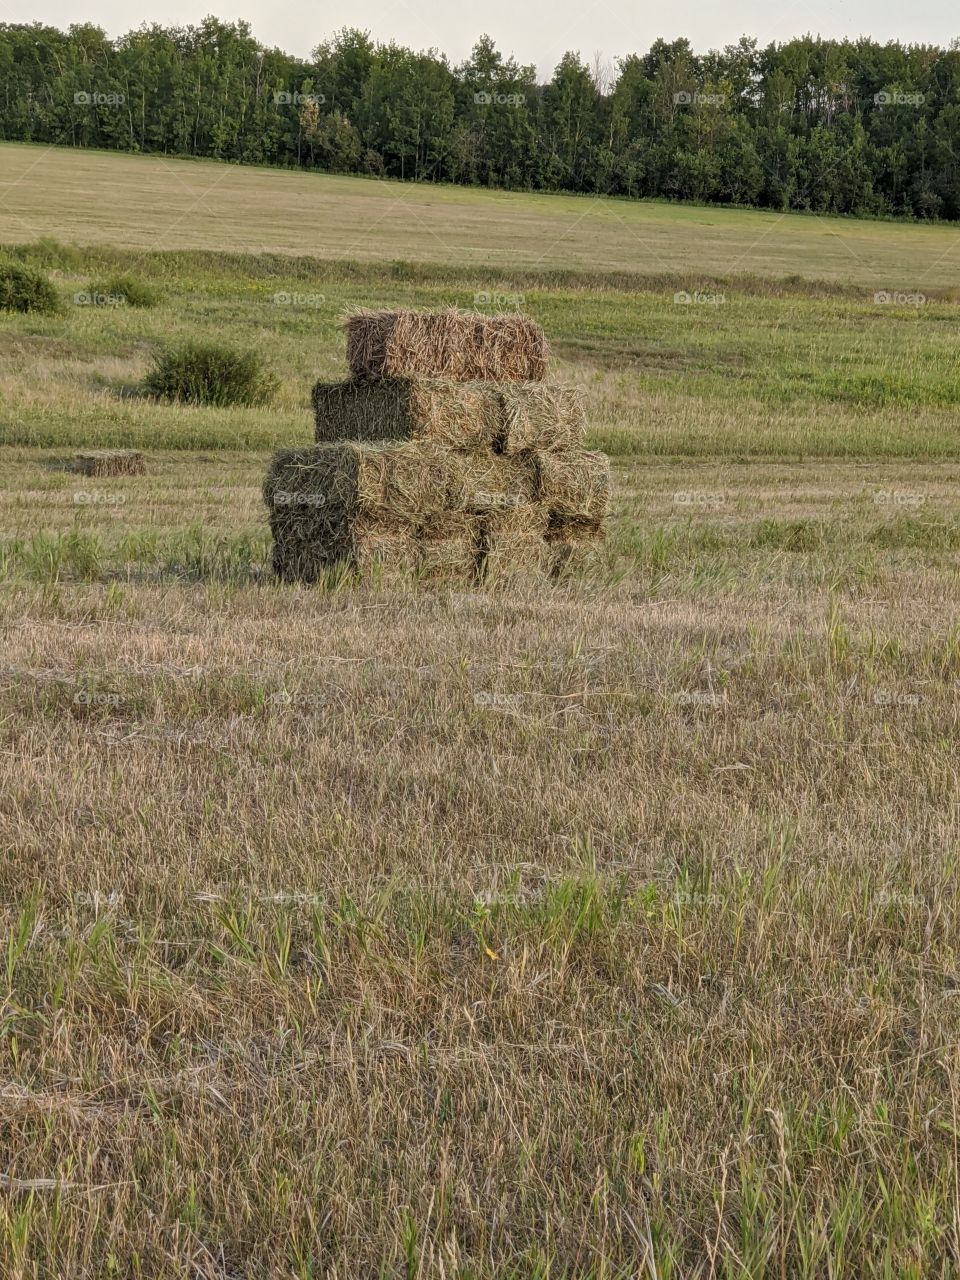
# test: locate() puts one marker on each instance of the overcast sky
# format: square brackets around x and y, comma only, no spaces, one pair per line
[536,31]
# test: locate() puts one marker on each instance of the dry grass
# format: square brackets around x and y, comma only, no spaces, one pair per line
[299,980]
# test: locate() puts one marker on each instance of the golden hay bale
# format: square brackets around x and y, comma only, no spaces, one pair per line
[110,462]
[574,484]
[573,546]
[540,415]
[453,344]
[513,543]
[448,546]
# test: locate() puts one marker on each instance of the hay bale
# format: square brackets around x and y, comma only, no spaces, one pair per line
[301,553]
[453,344]
[465,415]
[494,482]
[573,546]
[573,485]
[539,415]
[352,504]
[513,544]
[448,546]
[110,462]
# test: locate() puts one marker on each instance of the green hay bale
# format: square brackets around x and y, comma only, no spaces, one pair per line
[465,415]
[573,485]
[509,418]
[110,462]
[352,504]
[445,344]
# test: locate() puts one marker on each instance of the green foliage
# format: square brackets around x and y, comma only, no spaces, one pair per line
[819,125]
[207,373]
[26,289]
[124,289]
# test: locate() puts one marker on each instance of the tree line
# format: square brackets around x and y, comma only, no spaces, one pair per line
[845,127]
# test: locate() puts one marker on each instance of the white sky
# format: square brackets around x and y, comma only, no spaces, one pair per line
[536,31]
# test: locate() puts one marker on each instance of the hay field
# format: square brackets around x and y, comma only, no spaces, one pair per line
[608,930]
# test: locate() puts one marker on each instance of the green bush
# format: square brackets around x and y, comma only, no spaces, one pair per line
[121,289]
[25,289]
[204,373]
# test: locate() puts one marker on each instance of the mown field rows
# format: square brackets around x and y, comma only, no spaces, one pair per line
[606,929]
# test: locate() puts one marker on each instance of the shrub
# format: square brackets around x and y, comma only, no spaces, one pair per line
[121,289]
[204,373]
[25,289]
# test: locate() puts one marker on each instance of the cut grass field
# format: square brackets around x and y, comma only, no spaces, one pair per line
[604,930]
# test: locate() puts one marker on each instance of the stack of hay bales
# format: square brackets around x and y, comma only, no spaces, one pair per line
[445,454]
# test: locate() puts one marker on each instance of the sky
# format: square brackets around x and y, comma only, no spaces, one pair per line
[534,31]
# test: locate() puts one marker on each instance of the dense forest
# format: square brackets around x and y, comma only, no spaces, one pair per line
[839,127]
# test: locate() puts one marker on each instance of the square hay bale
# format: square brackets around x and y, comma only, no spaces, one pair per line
[367,546]
[573,485]
[513,544]
[540,415]
[352,504]
[465,415]
[448,546]
[573,546]
[453,344]
[494,482]
[110,462]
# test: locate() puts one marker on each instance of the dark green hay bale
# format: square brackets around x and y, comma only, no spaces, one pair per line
[509,418]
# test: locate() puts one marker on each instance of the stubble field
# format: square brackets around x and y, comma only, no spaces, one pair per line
[606,930]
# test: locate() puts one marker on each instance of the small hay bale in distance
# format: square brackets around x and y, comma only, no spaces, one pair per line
[574,485]
[453,344]
[110,462]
